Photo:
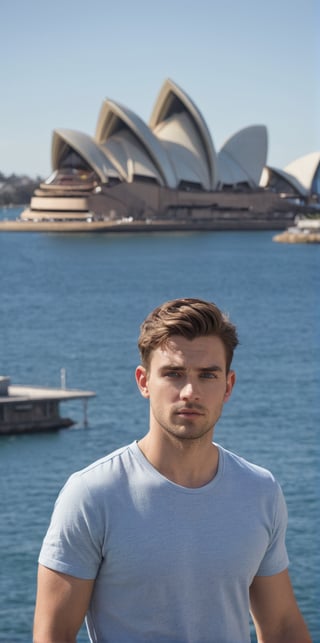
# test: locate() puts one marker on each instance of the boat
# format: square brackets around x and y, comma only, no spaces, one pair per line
[35,409]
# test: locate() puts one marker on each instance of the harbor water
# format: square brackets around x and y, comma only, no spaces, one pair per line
[75,302]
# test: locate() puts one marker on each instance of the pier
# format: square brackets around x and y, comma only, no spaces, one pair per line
[34,409]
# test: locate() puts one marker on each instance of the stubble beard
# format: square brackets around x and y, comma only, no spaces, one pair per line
[187,431]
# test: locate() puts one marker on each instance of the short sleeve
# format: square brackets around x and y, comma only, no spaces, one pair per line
[73,543]
[276,558]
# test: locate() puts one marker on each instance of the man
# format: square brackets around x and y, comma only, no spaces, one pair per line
[172,539]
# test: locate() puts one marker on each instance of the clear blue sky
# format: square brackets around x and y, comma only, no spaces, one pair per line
[242,63]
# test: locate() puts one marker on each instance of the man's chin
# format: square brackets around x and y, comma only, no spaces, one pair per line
[188,432]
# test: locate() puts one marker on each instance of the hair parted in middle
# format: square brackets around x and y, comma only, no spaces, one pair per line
[189,318]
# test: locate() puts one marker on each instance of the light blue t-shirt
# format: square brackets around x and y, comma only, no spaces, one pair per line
[172,564]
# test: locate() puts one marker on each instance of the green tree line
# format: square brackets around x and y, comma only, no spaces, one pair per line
[17,190]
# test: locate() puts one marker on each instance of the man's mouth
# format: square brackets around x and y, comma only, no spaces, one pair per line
[188,412]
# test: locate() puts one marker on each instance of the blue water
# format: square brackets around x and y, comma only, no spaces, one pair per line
[76,302]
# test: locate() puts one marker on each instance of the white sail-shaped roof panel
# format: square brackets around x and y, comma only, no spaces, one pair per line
[171,104]
[114,118]
[304,169]
[187,166]
[271,174]
[244,155]
[86,147]
[130,157]
[181,141]
[230,172]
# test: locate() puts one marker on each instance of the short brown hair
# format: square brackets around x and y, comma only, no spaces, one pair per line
[189,318]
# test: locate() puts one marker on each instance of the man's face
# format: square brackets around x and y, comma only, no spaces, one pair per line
[187,385]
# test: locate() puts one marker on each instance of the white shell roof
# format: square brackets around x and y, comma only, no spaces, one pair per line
[130,157]
[180,139]
[177,146]
[114,117]
[175,118]
[243,156]
[288,178]
[304,169]
[86,147]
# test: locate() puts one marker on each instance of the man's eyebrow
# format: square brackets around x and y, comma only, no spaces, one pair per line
[210,369]
[205,369]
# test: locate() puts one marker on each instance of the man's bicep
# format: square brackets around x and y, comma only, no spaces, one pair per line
[61,605]
[274,609]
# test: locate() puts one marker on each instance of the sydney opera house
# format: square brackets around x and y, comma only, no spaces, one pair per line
[131,175]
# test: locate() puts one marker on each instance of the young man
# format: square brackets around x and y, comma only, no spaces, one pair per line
[171,539]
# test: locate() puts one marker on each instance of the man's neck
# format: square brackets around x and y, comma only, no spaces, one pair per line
[189,463]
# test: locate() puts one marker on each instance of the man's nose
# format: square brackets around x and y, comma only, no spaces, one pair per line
[189,391]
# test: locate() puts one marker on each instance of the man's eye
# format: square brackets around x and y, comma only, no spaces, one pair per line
[209,375]
[172,374]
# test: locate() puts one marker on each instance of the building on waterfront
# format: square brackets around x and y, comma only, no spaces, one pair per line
[166,172]
[34,409]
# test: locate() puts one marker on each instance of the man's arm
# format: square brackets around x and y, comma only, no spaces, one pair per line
[61,605]
[275,613]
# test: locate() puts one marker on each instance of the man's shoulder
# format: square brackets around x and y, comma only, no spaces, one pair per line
[110,466]
[240,466]
[115,455]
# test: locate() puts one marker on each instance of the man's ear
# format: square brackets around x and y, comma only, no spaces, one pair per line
[231,380]
[142,381]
